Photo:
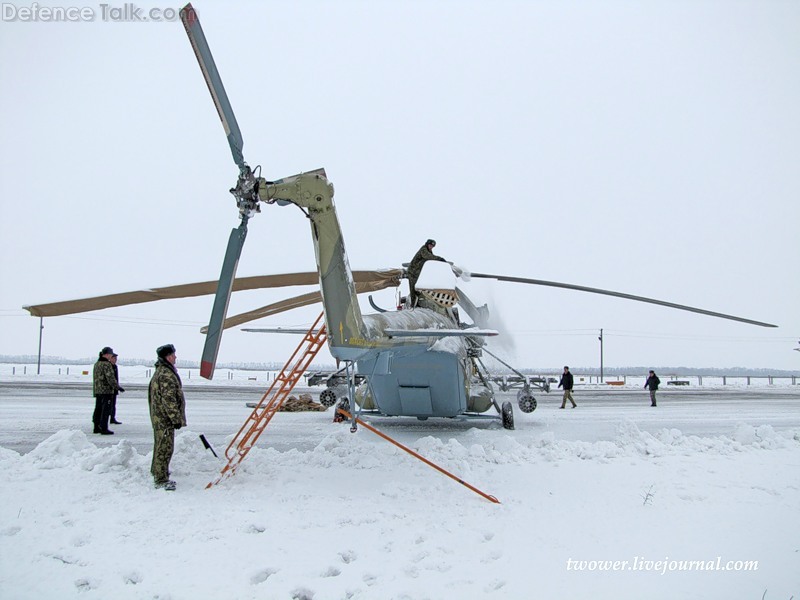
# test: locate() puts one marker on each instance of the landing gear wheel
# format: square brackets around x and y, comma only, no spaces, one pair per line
[507,414]
[327,398]
[338,417]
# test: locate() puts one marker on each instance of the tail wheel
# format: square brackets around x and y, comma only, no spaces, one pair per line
[507,414]
[327,398]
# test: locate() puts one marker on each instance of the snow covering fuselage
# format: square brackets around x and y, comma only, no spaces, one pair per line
[419,376]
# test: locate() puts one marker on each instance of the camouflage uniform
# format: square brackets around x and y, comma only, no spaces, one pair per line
[104,386]
[113,409]
[415,268]
[167,413]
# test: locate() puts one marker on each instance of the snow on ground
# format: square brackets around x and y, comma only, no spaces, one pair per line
[640,510]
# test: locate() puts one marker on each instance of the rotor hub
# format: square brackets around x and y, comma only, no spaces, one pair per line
[246,192]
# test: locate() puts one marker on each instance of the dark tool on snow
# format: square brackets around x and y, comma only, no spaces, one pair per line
[207,445]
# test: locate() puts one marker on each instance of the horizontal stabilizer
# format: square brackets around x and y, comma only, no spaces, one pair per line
[293,330]
[441,332]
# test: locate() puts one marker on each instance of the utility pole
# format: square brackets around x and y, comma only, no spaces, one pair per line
[601,355]
[39,360]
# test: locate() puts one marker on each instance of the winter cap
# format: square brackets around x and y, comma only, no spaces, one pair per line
[106,350]
[165,351]
[430,243]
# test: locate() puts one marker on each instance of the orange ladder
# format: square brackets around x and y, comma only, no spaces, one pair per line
[273,399]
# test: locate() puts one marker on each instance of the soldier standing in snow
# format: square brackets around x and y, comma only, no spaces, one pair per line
[167,413]
[104,386]
[113,361]
[652,383]
[567,382]
[415,268]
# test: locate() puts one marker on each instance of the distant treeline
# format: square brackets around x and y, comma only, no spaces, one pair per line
[274,366]
[147,362]
[686,371]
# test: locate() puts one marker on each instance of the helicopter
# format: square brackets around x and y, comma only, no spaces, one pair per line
[418,360]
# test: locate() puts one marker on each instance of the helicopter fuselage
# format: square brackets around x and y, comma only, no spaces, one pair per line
[421,376]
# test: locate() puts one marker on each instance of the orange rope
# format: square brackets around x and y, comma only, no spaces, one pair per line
[422,458]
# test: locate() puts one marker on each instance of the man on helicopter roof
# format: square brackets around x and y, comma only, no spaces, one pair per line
[425,253]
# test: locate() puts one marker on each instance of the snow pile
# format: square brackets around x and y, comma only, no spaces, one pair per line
[71,449]
[354,517]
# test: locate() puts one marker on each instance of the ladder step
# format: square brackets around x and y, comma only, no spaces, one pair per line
[273,399]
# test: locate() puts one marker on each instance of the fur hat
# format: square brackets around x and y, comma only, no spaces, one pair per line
[165,351]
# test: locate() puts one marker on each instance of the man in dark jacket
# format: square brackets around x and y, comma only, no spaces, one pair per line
[652,383]
[566,382]
[415,267]
[167,413]
[104,387]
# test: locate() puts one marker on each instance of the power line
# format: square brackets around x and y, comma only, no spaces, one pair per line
[653,335]
[139,321]
[117,319]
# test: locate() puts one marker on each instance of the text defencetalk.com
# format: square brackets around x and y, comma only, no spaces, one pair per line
[121,13]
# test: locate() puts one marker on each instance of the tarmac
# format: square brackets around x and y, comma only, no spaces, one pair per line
[30,412]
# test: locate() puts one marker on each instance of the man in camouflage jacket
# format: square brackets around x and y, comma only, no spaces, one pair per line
[167,413]
[104,388]
[415,268]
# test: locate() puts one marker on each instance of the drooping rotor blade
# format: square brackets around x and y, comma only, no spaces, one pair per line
[191,23]
[581,288]
[214,333]
[270,309]
[386,278]
[362,287]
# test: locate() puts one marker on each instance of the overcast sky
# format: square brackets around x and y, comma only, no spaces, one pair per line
[651,148]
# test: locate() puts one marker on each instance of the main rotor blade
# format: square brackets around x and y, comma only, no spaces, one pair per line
[362,287]
[191,23]
[211,348]
[270,309]
[190,290]
[581,288]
